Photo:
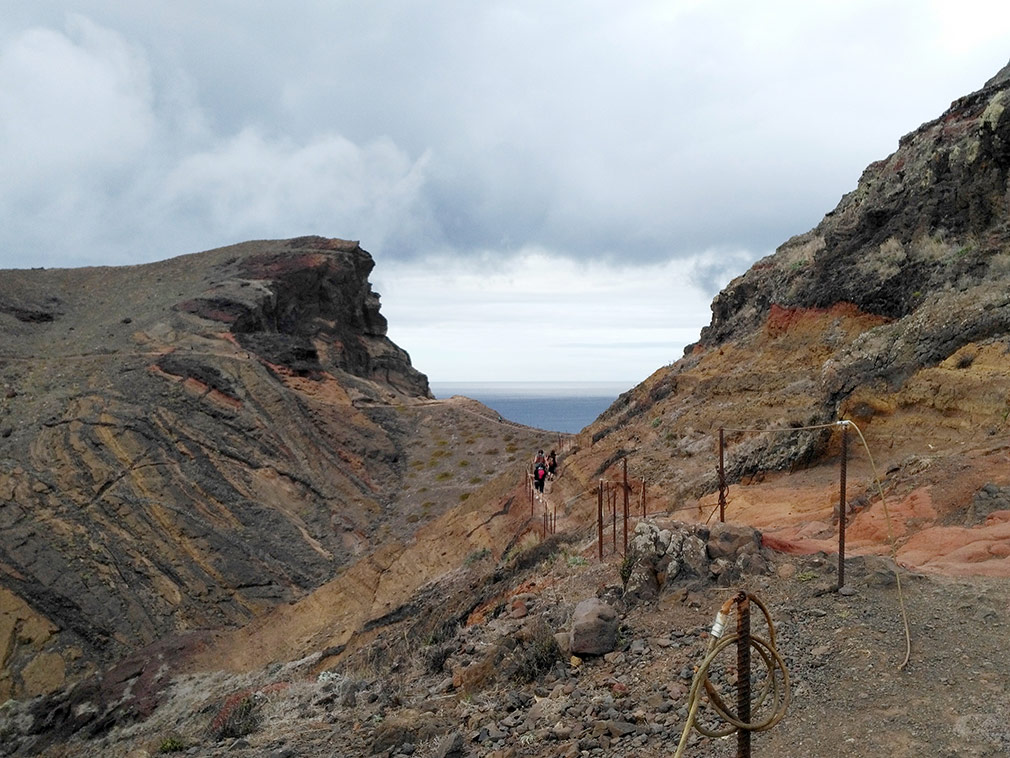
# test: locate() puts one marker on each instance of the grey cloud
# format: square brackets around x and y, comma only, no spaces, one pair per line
[638,131]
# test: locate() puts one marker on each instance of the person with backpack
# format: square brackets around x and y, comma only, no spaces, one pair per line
[540,476]
[552,464]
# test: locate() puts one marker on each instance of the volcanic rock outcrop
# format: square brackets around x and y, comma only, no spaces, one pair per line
[893,312]
[186,443]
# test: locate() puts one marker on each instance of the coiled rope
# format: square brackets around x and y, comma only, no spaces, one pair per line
[776,685]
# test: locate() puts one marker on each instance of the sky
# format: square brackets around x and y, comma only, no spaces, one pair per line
[552,191]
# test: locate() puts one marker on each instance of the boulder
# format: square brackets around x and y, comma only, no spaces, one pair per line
[727,540]
[594,628]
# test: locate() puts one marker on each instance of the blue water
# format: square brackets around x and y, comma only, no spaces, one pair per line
[555,406]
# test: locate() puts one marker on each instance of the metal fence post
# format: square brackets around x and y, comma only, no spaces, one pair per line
[625,506]
[841,506]
[743,675]
[722,477]
[599,517]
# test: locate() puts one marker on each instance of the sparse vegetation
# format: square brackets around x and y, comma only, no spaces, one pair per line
[536,654]
[477,555]
[627,566]
[172,744]
[238,717]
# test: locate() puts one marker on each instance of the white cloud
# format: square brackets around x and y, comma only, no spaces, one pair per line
[477,149]
[536,314]
[249,186]
[71,103]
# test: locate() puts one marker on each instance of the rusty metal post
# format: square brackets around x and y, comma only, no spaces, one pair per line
[613,517]
[545,523]
[529,480]
[625,506]
[599,518]
[722,477]
[841,506]
[743,674]
[643,498]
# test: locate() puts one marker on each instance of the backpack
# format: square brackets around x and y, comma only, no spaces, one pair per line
[541,471]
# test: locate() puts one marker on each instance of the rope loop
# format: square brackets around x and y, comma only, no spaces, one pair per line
[773,698]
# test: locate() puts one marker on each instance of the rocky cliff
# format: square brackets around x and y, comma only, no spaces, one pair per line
[186,443]
[893,312]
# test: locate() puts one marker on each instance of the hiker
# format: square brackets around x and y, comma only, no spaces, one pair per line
[539,460]
[539,476]
[552,464]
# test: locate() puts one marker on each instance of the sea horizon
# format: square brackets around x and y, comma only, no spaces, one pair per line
[566,406]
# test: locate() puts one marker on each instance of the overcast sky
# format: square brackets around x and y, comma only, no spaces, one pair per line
[551,189]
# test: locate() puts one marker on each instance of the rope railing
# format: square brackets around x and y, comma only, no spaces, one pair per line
[844,425]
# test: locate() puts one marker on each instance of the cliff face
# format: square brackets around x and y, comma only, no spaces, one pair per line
[894,312]
[186,443]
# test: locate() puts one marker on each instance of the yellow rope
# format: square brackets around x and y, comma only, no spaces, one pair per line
[774,664]
[890,539]
[883,503]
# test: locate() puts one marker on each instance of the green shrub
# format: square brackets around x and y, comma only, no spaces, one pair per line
[172,744]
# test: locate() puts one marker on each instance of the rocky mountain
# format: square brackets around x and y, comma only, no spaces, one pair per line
[893,312]
[227,443]
[186,444]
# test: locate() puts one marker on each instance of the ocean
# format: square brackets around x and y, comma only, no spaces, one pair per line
[554,406]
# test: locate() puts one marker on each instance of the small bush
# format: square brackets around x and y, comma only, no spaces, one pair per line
[238,717]
[172,744]
[536,654]
[627,566]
